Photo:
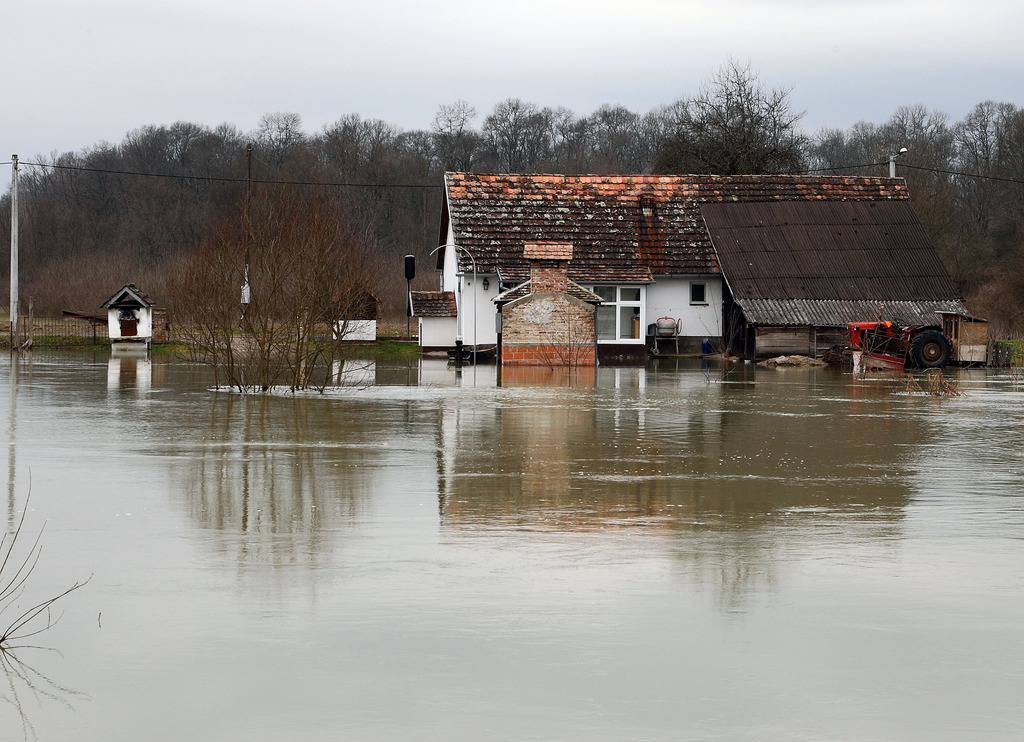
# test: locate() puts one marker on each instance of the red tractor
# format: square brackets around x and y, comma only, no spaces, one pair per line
[888,346]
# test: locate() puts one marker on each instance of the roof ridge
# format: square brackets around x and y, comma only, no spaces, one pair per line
[652,177]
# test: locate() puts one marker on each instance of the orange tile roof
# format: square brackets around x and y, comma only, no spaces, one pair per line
[547,251]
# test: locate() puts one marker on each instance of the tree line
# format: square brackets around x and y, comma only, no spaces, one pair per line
[84,233]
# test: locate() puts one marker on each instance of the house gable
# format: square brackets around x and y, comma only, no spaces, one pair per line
[128,296]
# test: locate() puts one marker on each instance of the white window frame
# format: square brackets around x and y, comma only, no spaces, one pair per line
[620,302]
[704,303]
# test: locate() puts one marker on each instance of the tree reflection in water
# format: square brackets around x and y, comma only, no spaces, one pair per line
[22,681]
[272,477]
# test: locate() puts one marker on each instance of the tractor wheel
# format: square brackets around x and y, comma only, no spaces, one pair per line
[930,349]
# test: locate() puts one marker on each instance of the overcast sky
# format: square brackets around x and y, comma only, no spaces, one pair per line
[78,71]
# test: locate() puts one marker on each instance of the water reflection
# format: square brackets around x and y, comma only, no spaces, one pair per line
[12,439]
[737,473]
[27,690]
[558,376]
[268,475]
[589,545]
[129,368]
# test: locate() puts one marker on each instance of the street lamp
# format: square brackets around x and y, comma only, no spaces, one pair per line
[892,161]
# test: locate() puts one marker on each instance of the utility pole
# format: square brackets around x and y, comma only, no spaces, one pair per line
[14,250]
[246,291]
[248,201]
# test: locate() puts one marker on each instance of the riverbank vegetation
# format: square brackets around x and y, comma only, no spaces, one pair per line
[87,231]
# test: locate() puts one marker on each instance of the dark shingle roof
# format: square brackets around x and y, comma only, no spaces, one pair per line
[433,303]
[617,223]
[874,251]
[826,264]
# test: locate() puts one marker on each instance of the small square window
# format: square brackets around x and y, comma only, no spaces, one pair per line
[698,293]
[629,293]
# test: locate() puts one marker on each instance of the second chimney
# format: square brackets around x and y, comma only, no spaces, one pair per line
[549,265]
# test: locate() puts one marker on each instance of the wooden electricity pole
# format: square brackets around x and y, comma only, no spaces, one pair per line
[14,250]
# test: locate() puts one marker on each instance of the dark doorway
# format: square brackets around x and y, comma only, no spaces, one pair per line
[129,324]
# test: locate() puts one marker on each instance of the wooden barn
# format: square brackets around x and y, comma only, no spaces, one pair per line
[797,272]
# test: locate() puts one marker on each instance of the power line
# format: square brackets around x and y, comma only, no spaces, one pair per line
[350,184]
[223,179]
[962,174]
[844,167]
[958,173]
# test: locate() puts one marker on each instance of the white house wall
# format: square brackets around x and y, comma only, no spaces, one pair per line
[437,332]
[486,311]
[450,266]
[145,327]
[670,297]
[356,329]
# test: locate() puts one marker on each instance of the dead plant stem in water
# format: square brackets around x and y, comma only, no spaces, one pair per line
[933,383]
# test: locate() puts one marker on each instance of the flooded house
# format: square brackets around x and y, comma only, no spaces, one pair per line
[130,315]
[754,264]
[436,314]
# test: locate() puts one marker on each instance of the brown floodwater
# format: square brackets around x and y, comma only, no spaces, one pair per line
[631,554]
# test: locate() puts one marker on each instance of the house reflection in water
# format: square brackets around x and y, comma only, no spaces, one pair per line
[726,476]
[129,367]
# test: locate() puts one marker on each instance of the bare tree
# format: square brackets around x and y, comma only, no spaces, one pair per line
[735,125]
[570,342]
[456,144]
[307,276]
[278,134]
[519,134]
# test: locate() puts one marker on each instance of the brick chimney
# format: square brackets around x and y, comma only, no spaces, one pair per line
[549,265]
